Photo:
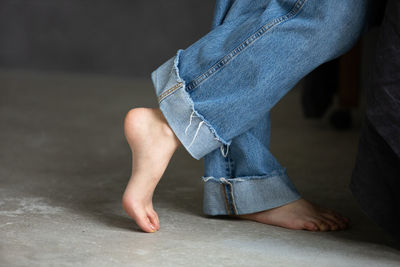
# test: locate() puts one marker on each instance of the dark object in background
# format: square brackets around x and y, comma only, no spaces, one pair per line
[319,89]
[340,76]
[341,119]
[376,177]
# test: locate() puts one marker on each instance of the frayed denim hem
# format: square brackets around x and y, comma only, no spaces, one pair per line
[194,132]
[244,195]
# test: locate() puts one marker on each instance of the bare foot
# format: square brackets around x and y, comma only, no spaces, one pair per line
[152,143]
[300,215]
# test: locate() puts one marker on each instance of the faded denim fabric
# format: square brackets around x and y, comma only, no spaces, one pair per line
[216,94]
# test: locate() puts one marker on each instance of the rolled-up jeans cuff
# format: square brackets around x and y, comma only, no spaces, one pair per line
[192,129]
[244,195]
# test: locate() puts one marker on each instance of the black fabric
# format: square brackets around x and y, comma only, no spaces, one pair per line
[375,181]
[376,176]
[383,96]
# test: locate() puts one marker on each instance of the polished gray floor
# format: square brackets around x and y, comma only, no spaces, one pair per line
[64,164]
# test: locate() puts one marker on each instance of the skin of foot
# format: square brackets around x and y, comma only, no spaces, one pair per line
[153,143]
[300,215]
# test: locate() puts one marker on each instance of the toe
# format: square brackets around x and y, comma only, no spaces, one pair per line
[336,215]
[333,225]
[143,221]
[311,226]
[153,217]
[323,226]
[139,215]
[339,221]
[145,224]
[158,221]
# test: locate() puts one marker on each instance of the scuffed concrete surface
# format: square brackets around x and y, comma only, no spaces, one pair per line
[64,165]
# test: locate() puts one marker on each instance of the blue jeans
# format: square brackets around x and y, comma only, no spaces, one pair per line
[217,94]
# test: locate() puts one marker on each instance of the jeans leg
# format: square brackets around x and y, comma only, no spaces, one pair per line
[223,84]
[218,92]
[244,177]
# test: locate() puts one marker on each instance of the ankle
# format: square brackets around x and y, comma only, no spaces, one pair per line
[166,129]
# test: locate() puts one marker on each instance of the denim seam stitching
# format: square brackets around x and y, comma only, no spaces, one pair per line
[250,40]
[232,199]
[228,167]
[229,188]
[169,91]
[226,199]
[230,205]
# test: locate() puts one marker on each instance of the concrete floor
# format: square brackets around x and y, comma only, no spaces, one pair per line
[64,165]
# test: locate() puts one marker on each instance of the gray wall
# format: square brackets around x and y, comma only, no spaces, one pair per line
[123,37]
